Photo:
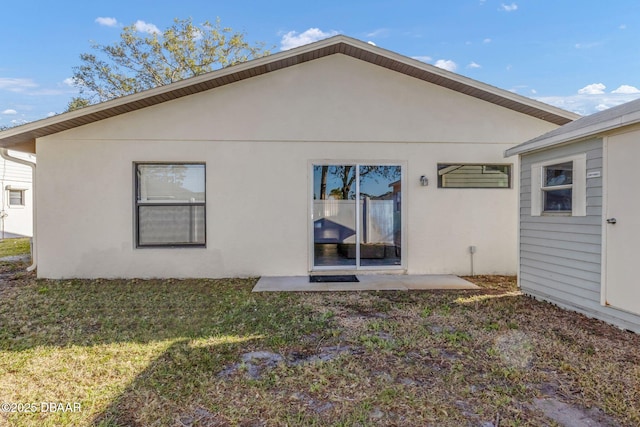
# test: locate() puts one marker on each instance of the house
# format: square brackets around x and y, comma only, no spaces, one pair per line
[579,216]
[280,166]
[16,214]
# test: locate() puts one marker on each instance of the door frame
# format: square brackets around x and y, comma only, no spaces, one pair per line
[603,223]
[605,266]
[403,215]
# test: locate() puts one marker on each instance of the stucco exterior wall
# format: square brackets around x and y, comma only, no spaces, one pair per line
[257,138]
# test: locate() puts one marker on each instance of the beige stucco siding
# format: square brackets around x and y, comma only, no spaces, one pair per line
[336,98]
[257,138]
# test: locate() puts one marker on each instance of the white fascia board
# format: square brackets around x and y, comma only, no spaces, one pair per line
[116,102]
[577,134]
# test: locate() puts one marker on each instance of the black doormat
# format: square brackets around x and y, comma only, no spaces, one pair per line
[334,278]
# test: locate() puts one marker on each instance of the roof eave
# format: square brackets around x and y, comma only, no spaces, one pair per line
[337,44]
[575,135]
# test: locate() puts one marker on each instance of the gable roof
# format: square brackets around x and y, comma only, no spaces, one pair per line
[25,135]
[613,118]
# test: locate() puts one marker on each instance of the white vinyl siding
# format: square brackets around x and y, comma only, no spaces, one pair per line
[560,255]
[12,171]
[451,175]
[17,195]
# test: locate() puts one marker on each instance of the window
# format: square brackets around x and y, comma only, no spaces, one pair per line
[451,175]
[558,187]
[16,197]
[170,204]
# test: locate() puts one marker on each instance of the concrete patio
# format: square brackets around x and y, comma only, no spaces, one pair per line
[367,282]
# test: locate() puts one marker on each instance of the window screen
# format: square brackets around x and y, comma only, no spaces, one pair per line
[170,204]
[16,197]
[452,175]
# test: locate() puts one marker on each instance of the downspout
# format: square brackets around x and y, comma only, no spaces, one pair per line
[4,153]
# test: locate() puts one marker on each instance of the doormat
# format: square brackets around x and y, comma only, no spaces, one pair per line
[334,278]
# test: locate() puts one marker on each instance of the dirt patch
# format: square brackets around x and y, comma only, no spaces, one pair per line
[209,352]
[571,416]
[255,363]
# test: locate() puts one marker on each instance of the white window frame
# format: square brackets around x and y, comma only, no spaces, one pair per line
[140,203]
[23,195]
[442,166]
[403,215]
[578,186]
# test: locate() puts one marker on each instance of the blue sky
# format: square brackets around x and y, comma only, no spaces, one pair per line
[580,55]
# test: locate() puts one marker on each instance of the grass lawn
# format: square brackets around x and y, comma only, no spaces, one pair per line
[10,247]
[210,353]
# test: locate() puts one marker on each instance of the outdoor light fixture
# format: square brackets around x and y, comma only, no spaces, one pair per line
[424,181]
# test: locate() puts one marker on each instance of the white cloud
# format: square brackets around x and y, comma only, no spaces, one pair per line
[16,84]
[293,39]
[107,22]
[589,45]
[380,32]
[145,27]
[474,65]
[197,34]
[626,89]
[593,89]
[371,43]
[509,7]
[518,88]
[69,81]
[589,102]
[623,26]
[9,111]
[51,114]
[422,58]
[446,64]
[487,40]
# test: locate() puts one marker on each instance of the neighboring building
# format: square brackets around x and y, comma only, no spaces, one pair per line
[580,216]
[281,166]
[16,215]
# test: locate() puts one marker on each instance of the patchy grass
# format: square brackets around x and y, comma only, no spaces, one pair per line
[176,352]
[10,247]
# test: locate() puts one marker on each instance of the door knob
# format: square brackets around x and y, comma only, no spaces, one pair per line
[611,220]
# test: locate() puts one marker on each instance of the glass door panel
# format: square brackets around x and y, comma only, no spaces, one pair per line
[380,196]
[334,216]
[357,220]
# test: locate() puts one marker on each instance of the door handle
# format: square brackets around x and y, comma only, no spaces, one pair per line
[611,220]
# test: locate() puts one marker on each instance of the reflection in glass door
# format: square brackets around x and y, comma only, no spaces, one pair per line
[334,215]
[380,195]
[357,219]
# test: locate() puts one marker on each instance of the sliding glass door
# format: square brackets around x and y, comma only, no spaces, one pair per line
[357,220]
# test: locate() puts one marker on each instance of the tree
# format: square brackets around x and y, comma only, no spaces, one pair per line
[137,63]
[346,176]
[323,182]
[77,102]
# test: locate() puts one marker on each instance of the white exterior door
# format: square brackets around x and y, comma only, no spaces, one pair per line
[622,285]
